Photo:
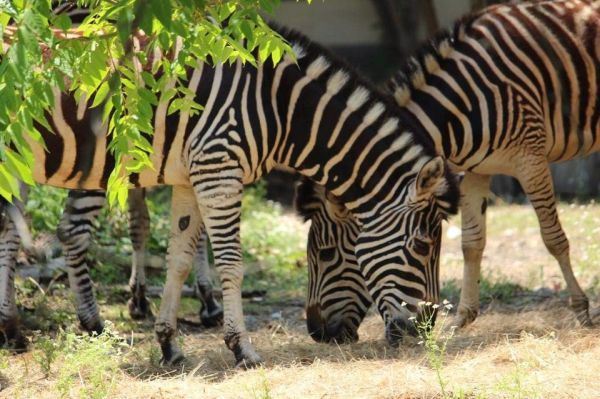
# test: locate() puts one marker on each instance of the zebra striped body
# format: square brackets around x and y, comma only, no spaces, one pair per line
[511,89]
[315,117]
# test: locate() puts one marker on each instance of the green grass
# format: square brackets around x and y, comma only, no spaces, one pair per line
[489,290]
[273,246]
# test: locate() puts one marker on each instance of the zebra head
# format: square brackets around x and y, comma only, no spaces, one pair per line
[337,298]
[398,248]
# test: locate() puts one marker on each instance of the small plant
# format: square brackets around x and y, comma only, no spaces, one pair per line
[154,355]
[435,341]
[4,357]
[263,389]
[45,353]
[513,384]
[91,362]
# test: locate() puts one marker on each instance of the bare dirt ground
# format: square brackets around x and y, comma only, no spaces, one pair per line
[525,344]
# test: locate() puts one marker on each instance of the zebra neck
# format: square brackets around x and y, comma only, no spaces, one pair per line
[344,135]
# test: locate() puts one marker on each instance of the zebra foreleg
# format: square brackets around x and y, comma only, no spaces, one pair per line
[10,334]
[74,233]
[221,207]
[474,191]
[186,225]
[536,180]
[139,226]
[211,311]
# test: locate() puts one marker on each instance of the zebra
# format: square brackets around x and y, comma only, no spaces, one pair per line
[74,233]
[508,90]
[312,114]
[338,298]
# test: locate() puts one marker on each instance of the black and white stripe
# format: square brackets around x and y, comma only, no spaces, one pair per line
[509,90]
[316,117]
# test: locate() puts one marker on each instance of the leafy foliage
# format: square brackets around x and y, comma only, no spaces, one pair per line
[100,61]
[274,246]
[90,364]
[45,206]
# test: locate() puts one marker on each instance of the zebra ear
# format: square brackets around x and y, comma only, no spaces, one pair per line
[431,178]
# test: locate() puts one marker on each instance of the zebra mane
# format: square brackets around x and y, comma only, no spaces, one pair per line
[428,58]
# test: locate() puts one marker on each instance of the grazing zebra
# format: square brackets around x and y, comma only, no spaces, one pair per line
[511,89]
[338,298]
[74,233]
[314,116]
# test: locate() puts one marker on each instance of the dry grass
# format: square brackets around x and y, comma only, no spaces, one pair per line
[527,351]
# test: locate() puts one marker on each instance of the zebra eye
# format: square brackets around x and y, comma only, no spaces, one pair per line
[326,254]
[421,247]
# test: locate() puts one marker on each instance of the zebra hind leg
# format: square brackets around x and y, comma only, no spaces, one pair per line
[536,180]
[10,332]
[186,225]
[74,233]
[211,311]
[139,226]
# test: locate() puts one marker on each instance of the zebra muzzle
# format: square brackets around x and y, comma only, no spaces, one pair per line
[340,331]
[397,328]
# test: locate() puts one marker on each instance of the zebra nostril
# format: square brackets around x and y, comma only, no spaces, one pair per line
[397,328]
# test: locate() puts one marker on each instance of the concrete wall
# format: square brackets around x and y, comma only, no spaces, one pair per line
[334,23]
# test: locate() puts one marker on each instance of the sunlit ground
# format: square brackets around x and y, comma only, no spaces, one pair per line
[525,344]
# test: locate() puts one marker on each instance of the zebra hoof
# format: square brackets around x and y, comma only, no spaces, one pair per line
[581,307]
[245,355]
[397,329]
[11,336]
[93,327]
[174,359]
[139,309]
[465,317]
[171,354]
[248,362]
[213,318]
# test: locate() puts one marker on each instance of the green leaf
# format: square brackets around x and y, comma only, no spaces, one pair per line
[62,21]
[18,167]
[101,94]
[162,11]
[9,185]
